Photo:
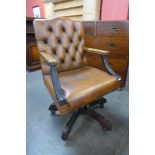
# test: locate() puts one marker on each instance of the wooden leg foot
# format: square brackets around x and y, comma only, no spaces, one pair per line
[69,125]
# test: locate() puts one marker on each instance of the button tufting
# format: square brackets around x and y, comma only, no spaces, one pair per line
[62,61]
[63,29]
[66,49]
[54,51]
[59,40]
[76,48]
[64,41]
[74,29]
[50,29]
[71,40]
[73,59]
[45,41]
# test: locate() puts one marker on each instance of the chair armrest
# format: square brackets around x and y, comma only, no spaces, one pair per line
[97,51]
[56,85]
[54,77]
[108,67]
[48,58]
[104,57]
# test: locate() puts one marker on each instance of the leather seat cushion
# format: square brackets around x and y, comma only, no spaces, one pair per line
[85,84]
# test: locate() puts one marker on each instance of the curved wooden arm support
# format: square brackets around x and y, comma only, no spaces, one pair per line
[104,57]
[56,84]
[54,77]
[108,67]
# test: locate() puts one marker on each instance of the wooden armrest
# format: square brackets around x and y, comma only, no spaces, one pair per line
[108,67]
[57,87]
[48,58]
[54,77]
[98,51]
[104,57]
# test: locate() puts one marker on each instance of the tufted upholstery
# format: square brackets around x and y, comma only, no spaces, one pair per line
[63,40]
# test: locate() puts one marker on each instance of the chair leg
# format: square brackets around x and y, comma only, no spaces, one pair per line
[100,119]
[69,125]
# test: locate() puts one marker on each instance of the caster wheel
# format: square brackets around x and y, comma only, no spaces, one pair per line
[53,109]
[104,100]
[64,136]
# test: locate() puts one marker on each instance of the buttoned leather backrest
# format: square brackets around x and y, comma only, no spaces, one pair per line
[63,39]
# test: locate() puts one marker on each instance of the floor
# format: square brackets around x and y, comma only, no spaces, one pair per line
[87,137]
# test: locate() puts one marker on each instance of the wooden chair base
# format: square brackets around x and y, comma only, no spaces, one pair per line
[89,111]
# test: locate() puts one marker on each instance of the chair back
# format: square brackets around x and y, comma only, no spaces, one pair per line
[63,39]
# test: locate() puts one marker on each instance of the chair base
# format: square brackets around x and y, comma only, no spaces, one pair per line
[88,110]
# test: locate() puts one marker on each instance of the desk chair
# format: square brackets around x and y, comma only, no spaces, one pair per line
[73,84]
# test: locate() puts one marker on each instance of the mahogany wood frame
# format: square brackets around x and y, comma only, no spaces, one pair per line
[105,124]
[55,79]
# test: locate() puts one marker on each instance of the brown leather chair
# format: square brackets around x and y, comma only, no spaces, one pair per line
[73,84]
